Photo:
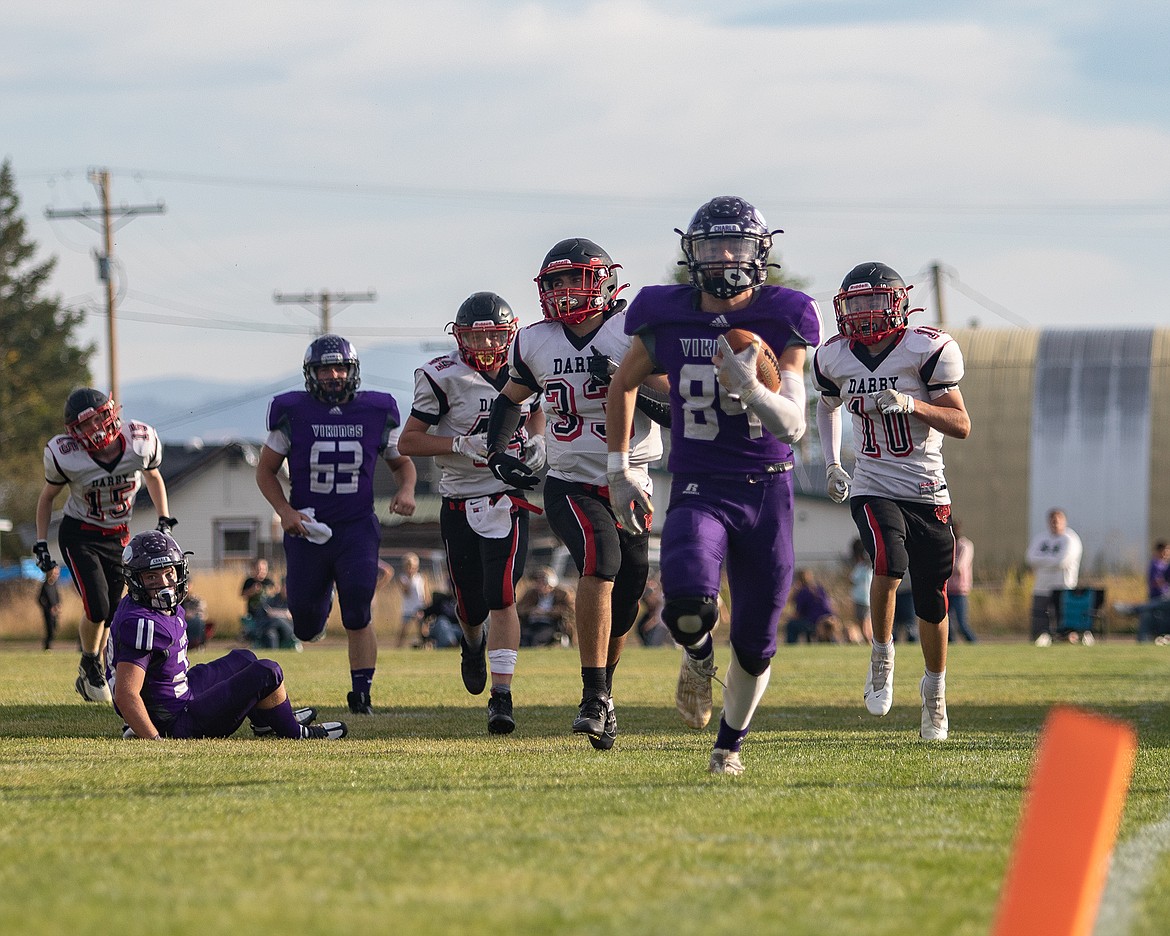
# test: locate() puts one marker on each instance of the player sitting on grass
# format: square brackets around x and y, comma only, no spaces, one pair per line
[158,694]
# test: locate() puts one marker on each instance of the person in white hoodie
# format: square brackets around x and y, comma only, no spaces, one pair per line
[1055,558]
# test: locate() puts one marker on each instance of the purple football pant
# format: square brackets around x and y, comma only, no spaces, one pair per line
[224,691]
[349,561]
[745,525]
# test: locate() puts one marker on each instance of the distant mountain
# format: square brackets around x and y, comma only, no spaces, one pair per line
[183,409]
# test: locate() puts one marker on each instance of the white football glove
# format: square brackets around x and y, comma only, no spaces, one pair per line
[534,452]
[837,481]
[737,372]
[471,446]
[629,501]
[891,402]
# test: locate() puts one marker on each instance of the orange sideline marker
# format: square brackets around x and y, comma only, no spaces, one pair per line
[1072,811]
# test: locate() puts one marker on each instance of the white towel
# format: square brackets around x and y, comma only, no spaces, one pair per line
[315,531]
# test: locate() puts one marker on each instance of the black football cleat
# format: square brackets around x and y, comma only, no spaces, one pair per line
[304,716]
[590,718]
[609,733]
[500,720]
[359,703]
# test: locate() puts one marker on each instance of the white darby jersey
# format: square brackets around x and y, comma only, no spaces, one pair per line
[898,456]
[101,496]
[455,400]
[548,359]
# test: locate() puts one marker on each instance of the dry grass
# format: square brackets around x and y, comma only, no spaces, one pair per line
[998,609]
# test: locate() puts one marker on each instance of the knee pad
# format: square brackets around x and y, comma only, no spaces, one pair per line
[930,601]
[688,619]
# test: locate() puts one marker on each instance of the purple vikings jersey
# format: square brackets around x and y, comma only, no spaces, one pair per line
[332,450]
[711,432]
[157,643]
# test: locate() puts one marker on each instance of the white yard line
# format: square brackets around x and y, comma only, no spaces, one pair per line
[1133,865]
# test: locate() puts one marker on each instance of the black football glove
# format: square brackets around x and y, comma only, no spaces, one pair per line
[601,368]
[512,471]
[44,561]
[166,524]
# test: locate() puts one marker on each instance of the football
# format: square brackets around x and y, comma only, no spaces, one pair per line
[767,366]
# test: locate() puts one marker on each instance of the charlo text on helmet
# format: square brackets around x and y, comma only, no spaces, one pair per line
[332,351]
[92,418]
[577,280]
[155,552]
[484,328]
[872,303]
[726,247]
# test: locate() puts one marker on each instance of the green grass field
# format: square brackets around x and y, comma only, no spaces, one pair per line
[420,822]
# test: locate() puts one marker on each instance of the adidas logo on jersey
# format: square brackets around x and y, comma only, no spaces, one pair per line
[720,321]
[336,411]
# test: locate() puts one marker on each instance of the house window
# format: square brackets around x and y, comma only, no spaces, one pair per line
[235,539]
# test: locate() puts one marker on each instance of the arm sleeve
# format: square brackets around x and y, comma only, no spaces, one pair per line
[829,427]
[782,413]
[503,421]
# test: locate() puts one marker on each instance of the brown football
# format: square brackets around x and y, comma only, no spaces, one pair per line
[767,366]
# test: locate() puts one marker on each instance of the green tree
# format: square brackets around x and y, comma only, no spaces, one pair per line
[40,363]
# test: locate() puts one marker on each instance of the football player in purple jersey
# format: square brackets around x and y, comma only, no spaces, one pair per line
[104,461]
[730,456]
[158,694]
[484,523]
[901,387]
[332,436]
[565,359]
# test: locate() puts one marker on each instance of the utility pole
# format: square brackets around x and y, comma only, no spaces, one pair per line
[111,219]
[939,301]
[324,301]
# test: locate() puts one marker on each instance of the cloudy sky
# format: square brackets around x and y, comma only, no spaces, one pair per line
[427,151]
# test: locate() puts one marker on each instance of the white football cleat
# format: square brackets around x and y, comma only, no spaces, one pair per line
[692,696]
[725,762]
[1044,640]
[935,725]
[879,684]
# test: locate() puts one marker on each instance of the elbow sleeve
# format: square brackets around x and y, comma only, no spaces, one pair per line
[782,413]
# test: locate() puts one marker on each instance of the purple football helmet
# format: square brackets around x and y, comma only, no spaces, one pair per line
[332,350]
[726,246]
[152,552]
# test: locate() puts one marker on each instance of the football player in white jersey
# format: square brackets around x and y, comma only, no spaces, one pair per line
[103,461]
[484,522]
[901,386]
[567,359]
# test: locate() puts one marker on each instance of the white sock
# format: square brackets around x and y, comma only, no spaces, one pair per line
[883,649]
[742,693]
[935,684]
[502,662]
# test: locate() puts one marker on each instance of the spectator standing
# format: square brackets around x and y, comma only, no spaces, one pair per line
[959,585]
[49,598]
[413,588]
[815,618]
[1055,558]
[860,580]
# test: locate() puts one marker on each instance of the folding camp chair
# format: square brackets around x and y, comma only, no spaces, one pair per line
[1080,609]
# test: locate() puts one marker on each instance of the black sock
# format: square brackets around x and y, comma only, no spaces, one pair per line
[593,681]
[609,678]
